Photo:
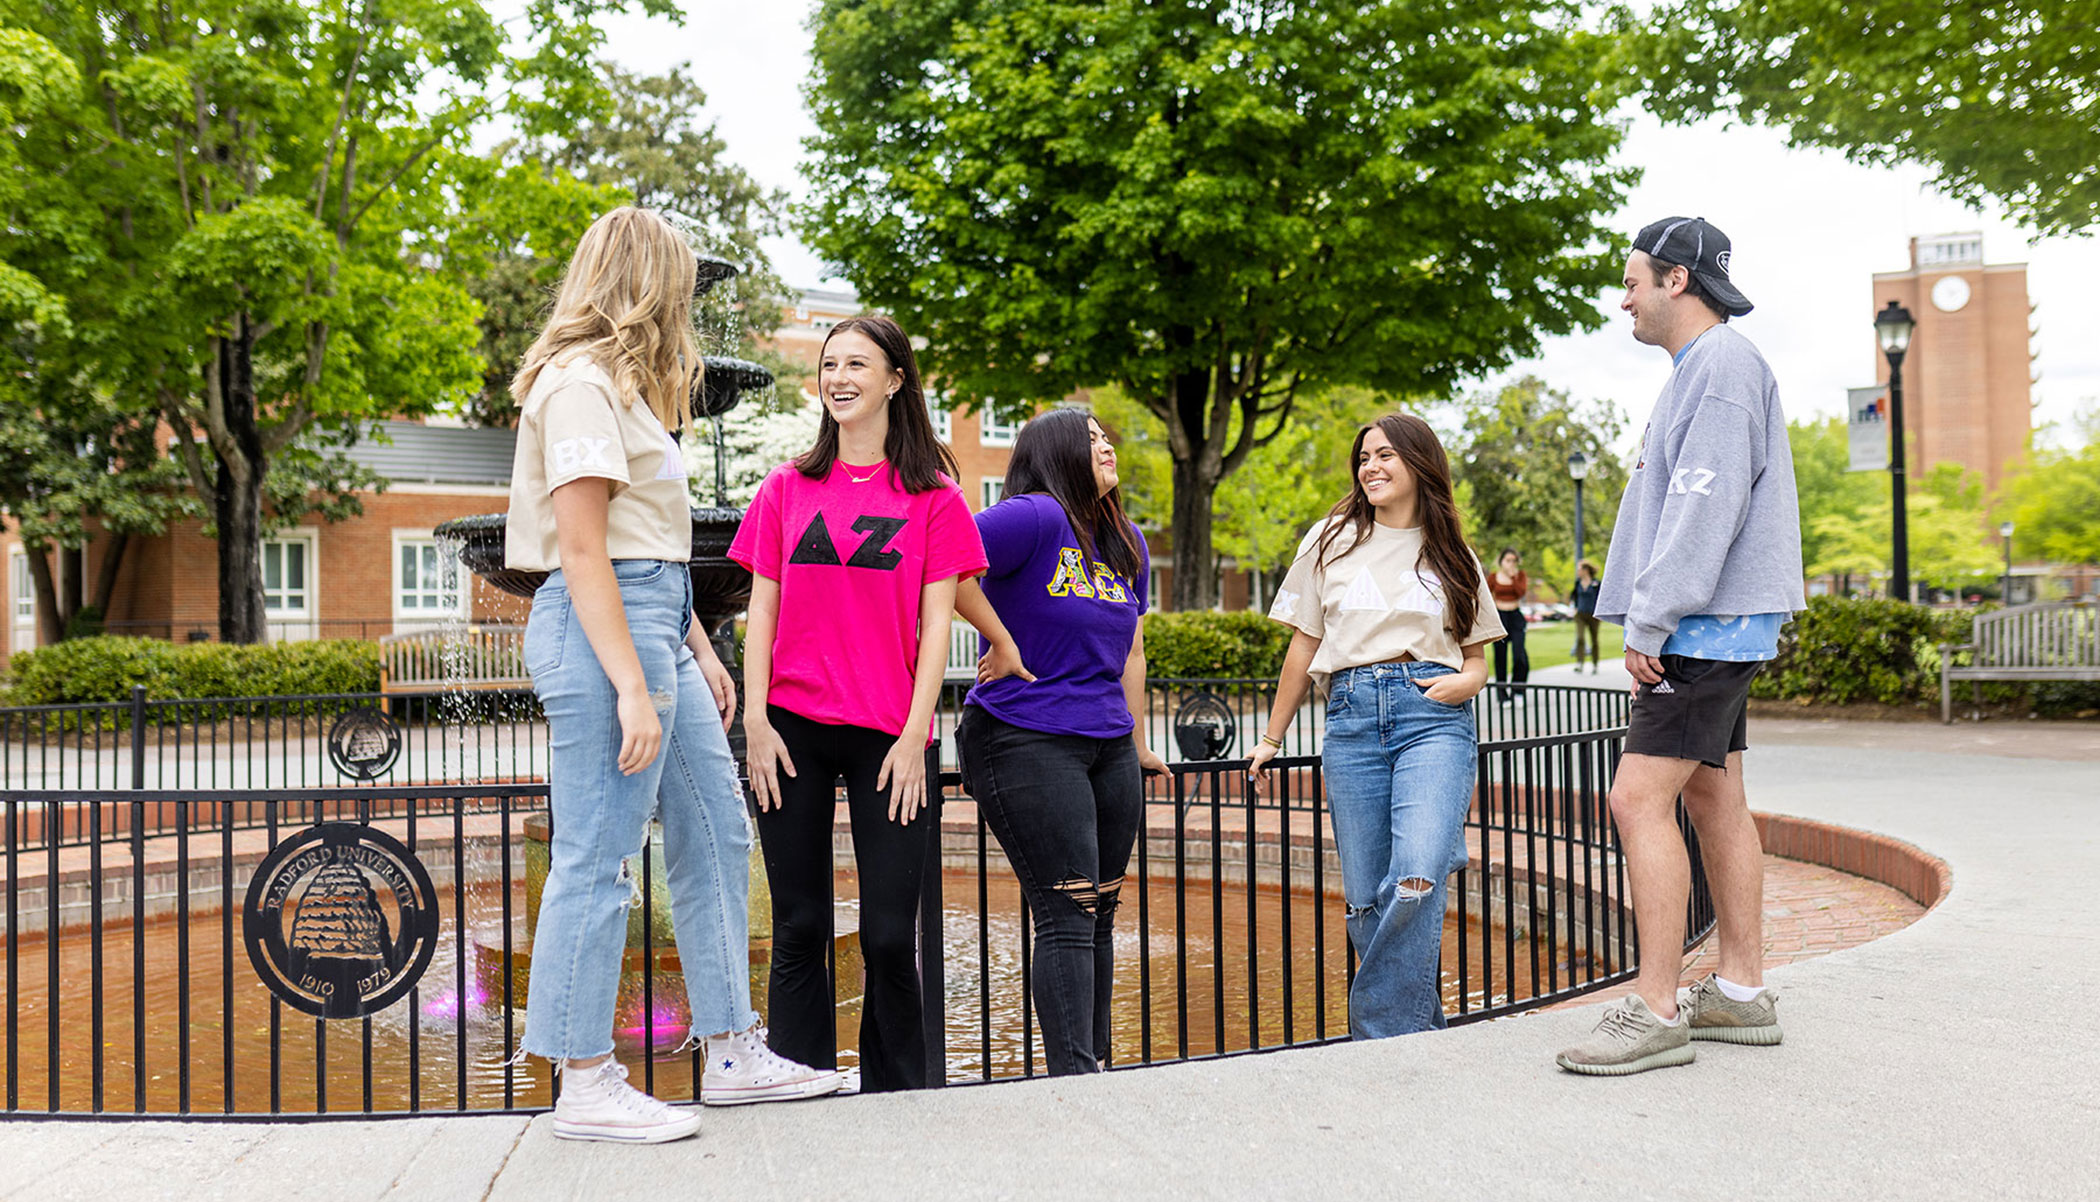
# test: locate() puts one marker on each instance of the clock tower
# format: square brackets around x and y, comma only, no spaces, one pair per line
[1967,381]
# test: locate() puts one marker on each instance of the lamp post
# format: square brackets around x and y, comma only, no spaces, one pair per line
[1578,470]
[1893,327]
[2005,532]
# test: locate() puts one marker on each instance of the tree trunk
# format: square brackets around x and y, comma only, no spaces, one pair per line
[1195,580]
[72,569]
[50,624]
[106,575]
[237,493]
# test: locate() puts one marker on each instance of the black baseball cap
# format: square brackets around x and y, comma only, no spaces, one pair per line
[1696,246]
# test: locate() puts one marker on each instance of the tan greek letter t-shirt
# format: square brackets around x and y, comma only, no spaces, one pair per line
[574,424]
[1376,603]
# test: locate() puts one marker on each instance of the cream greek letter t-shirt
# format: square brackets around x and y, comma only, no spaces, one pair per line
[574,424]
[1376,603]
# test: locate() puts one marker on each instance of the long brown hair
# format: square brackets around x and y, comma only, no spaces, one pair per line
[626,302]
[916,455]
[1054,455]
[1443,536]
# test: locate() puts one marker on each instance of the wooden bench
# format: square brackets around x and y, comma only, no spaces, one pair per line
[2058,640]
[477,657]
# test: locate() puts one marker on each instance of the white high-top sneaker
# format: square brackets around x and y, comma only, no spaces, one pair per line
[598,1103]
[742,1069]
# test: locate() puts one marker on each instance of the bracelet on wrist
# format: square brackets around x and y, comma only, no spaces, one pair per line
[1272,741]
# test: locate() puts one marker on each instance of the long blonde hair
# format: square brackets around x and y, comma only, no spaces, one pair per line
[626,301]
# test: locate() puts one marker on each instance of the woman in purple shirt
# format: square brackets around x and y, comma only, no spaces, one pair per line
[1051,750]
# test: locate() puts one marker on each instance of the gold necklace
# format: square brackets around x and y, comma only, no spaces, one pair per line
[872,472]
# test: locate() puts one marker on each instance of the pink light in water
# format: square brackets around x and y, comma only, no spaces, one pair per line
[445,1004]
[667,1023]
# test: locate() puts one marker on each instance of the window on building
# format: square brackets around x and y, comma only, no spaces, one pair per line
[22,606]
[994,490]
[287,570]
[425,583]
[995,430]
[943,421]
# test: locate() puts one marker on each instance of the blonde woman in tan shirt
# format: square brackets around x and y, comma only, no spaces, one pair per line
[1392,612]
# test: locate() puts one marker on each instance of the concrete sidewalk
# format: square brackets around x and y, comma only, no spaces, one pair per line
[1950,1060]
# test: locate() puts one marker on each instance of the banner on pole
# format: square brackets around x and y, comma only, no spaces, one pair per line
[1866,424]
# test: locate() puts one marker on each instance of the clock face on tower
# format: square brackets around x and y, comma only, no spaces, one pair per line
[1950,294]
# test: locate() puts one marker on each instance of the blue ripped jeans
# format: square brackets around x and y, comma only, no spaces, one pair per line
[1399,769]
[602,817]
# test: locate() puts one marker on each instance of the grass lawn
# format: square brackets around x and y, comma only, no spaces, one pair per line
[1550,643]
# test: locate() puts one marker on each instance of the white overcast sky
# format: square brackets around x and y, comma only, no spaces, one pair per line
[1809,228]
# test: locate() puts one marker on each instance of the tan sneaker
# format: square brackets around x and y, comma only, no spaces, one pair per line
[1712,1014]
[1629,1039]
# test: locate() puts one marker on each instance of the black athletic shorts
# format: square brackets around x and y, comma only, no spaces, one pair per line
[1699,711]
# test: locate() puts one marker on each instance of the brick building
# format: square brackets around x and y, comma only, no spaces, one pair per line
[1968,377]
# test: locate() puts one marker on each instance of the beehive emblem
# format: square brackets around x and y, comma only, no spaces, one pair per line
[341,920]
[339,915]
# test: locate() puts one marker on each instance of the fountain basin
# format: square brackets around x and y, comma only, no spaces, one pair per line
[721,586]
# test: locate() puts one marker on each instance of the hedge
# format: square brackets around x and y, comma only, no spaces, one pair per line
[1845,652]
[104,668]
[1243,644]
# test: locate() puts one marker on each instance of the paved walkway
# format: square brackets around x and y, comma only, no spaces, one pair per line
[1948,1060]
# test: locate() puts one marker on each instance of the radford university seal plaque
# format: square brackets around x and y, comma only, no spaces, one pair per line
[341,920]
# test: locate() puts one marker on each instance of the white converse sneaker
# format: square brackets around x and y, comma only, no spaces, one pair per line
[598,1103]
[742,1069]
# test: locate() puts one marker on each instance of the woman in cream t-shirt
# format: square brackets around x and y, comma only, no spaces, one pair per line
[637,703]
[1392,611]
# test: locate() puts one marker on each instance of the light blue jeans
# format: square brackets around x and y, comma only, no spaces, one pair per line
[1399,770]
[602,817]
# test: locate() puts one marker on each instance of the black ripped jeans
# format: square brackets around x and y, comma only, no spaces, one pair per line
[1066,808]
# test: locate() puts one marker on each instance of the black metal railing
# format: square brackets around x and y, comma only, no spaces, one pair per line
[479,736]
[130,989]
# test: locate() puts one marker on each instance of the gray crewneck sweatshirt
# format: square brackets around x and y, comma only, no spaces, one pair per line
[1710,523]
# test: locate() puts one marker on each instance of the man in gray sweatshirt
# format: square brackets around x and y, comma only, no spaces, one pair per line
[1705,567]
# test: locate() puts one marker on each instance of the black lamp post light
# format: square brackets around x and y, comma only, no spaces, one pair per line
[1893,326]
[1578,470]
[2005,532]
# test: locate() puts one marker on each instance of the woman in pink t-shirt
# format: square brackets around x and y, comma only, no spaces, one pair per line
[855,548]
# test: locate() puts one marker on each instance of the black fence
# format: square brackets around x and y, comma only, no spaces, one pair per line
[464,736]
[141,977]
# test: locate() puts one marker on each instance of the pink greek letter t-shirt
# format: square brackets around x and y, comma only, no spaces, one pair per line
[851,558]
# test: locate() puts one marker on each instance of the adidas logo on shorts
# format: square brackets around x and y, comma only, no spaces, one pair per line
[1662,686]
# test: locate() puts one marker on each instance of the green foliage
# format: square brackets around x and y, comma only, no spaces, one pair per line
[1512,456]
[245,210]
[2054,501]
[1998,98]
[1219,207]
[104,668]
[1199,643]
[1843,652]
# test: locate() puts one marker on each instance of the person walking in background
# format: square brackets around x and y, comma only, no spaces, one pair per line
[856,549]
[1508,585]
[1587,630]
[1704,570]
[1391,612]
[1049,739]
[637,704]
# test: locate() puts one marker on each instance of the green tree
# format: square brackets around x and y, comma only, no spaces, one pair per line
[1512,457]
[1949,549]
[1835,537]
[260,182]
[2054,501]
[1997,97]
[1219,207]
[650,148]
